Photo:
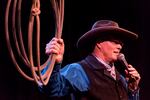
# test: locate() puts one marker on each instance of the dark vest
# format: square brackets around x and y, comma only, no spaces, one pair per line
[102,85]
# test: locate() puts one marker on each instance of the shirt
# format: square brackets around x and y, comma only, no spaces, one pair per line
[109,68]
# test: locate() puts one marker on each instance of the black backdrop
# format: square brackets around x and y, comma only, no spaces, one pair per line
[79,17]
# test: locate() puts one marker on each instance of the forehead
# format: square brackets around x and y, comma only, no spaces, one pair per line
[115,39]
[111,38]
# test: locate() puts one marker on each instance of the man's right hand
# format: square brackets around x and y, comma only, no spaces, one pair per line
[55,46]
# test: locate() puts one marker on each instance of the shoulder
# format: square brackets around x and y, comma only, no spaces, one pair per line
[72,69]
[75,74]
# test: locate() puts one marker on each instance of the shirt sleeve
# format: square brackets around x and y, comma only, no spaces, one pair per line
[65,81]
[132,95]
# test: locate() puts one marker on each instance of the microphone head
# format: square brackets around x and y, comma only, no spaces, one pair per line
[121,57]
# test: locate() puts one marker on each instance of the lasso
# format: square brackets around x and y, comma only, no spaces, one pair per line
[58,6]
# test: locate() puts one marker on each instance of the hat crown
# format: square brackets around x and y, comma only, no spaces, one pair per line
[104,23]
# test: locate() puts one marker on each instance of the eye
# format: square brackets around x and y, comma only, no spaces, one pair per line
[118,42]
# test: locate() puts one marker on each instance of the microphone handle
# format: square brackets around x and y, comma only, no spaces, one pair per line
[132,78]
[124,61]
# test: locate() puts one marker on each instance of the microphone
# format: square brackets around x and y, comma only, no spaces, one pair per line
[122,59]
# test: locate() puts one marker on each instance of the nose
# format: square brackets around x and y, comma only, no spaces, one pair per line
[119,46]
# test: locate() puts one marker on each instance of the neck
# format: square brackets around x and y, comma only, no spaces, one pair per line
[103,62]
[100,56]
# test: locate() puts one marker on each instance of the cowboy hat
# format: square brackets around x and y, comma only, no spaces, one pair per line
[102,29]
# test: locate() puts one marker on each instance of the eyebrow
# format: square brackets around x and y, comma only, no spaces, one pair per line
[117,41]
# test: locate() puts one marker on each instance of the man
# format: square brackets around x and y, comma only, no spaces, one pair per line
[95,77]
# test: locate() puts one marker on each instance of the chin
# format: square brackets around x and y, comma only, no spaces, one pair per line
[115,58]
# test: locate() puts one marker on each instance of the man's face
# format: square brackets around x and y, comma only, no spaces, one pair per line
[110,49]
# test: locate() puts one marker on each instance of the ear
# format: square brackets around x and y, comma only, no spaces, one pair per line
[98,45]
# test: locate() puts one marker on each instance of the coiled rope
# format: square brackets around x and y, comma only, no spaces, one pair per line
[58,6]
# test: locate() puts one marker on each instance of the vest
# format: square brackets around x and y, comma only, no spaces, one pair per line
[102,85]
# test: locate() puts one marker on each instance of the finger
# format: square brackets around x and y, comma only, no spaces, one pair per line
[130,66]
[60,41]
[131,69]
[52,44]
[126,71]
[53,47]
[134,74]
[52,51]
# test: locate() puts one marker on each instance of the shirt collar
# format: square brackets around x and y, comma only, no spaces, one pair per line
[104,63]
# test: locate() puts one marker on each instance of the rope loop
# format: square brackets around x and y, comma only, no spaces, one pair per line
[37,76]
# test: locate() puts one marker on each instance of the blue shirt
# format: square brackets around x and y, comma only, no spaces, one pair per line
[72,78]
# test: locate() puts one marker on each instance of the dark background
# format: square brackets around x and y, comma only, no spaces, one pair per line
[79,16]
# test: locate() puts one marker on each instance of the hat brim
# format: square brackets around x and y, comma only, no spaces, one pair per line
[91,36]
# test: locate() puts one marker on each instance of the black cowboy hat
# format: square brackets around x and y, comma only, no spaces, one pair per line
[102,29]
